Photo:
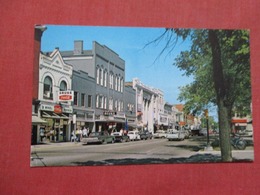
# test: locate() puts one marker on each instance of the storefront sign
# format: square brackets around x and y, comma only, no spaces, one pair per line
[57,109]
[46,107]
[65,96]
[67,109]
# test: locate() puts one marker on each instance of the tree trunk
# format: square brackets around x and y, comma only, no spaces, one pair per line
[220,87]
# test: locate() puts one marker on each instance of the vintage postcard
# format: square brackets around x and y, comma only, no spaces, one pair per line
[126,95]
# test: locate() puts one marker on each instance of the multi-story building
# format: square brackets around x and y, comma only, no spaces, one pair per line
[36,121]
[108,70]
[83,105]
[130,107]
[171,118]
[55,79]
[145,105]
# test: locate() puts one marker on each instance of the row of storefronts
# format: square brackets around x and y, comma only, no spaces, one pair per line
[86,89]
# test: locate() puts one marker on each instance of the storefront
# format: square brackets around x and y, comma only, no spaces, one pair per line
[57,128]
[37,123]
[84,118]
[110,123]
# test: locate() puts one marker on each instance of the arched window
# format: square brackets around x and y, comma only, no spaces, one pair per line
[98,75]
[105,78]
[116,82]
[47,88]
[63,86]
[101,76]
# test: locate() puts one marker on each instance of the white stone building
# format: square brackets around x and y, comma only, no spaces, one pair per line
[55,76]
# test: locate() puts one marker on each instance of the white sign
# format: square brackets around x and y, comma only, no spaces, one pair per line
[66,96]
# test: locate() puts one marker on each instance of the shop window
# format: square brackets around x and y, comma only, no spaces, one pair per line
[47,88]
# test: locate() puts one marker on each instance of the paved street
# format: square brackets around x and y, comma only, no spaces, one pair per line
[135,152]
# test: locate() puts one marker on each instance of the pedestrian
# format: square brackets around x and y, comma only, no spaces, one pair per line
[85,132]
[121,132]
[73,136]
[77,135]
[42,135]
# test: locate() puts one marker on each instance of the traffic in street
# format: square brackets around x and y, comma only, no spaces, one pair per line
[150,151]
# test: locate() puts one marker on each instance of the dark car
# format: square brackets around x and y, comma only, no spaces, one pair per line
[98,137]
[146,135]
[120,138]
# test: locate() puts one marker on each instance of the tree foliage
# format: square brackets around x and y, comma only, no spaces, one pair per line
[220,64]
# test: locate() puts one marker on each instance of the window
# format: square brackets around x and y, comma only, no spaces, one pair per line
[47,88]
[119,84]
[122,85]
[89,101]
[105,102]
[116,82]
[111,81]
[101,76]
[116,105]
[63,86]
[82,99]
[110,103]
[105,78]
[97,101]
[75,98]
[97,75]
[101,101]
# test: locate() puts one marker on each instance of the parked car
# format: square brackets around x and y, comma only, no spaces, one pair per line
[176,134]
[120,138]
[133,135]
[98,137]
[160,134]
[144,135]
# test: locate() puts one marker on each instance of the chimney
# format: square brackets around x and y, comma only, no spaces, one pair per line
[78,47]
[38,31]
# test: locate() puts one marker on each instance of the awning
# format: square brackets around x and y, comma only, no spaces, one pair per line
[36,120]
[54,115]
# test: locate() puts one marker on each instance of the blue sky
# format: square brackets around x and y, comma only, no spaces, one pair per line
[128,43]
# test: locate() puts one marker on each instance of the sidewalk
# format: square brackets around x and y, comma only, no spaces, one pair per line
[47,144]
[246,155]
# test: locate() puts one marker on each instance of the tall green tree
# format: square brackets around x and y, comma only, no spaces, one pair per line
[219,62]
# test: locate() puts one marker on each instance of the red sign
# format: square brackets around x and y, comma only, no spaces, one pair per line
[57,109]
[66,96]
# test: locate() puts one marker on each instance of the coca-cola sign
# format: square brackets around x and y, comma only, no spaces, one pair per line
[66,96]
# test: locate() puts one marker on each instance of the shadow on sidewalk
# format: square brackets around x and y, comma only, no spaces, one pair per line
[198,158]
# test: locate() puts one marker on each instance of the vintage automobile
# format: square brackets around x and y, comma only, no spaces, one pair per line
[144,135]
[120,138]
[174,134]
[98,137]
[160,134]
[133,135]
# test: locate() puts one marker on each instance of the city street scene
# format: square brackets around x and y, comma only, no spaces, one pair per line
[125,95]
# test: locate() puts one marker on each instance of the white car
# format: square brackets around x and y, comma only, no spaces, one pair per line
[176,134]
[160,134]
[133,135]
